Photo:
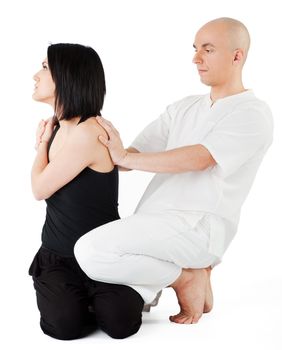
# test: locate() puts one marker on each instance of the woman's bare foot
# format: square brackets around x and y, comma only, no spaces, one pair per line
[194,295]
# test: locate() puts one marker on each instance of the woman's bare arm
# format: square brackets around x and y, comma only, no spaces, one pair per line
[76,154]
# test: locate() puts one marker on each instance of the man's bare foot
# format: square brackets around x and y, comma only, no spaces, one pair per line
[191,290]
[209,296]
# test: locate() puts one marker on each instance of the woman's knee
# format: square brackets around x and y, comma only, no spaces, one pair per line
[66,319]
[62,329]
[122,330]
[118,310]
[121,323]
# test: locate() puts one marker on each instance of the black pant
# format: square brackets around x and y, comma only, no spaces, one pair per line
[72,305]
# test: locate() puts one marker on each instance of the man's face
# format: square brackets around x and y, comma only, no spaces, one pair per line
[214,55]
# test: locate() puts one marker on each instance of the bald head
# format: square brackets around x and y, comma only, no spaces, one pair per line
[221,48]
[235,32]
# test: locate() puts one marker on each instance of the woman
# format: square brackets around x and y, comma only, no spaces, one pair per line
[74,173]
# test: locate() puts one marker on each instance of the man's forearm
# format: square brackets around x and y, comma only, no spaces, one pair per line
[178,160]
[128,150]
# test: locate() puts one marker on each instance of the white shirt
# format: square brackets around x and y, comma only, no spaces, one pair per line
[237,130]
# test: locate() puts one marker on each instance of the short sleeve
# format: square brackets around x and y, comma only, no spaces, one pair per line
[154,137]
[240,136]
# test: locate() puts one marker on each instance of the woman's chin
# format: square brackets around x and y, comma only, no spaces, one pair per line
[35,97]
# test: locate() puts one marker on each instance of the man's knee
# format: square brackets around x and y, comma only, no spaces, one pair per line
[90,251]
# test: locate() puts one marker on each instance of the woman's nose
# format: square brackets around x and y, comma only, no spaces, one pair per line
[35,77]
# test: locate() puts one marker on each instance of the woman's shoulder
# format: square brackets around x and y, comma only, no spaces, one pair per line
[87,141]
[88,131]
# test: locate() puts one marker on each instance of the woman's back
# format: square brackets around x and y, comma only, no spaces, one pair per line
[89,200]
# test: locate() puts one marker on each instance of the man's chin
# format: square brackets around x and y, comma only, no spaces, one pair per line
[205,82]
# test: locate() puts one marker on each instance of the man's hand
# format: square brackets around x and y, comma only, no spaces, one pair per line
[177,160]
[113,143]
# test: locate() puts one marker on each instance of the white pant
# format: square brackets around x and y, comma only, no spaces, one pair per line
[144,251]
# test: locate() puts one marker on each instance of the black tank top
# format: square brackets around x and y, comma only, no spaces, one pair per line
[86,202]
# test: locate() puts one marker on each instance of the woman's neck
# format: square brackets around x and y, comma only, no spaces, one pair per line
[67,124]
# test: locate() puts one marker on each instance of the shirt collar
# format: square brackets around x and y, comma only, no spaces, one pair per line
[241,95]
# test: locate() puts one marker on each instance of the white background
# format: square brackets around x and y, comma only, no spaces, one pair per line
[146,49]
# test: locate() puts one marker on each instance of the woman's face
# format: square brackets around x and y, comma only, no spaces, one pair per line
[44,89]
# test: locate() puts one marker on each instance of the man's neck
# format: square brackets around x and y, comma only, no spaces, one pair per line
[218,92]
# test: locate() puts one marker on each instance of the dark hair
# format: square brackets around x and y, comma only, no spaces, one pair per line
[78,74]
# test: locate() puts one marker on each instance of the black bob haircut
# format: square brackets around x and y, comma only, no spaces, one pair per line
[78,74]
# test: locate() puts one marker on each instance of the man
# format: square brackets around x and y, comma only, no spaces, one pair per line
[206,151]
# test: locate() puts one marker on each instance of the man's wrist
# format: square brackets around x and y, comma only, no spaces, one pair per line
[124,160]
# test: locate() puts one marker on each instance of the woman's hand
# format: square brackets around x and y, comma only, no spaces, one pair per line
[44,131]
[113,143]
[39,132]
[48,130]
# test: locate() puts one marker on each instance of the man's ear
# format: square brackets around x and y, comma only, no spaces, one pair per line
[238,56]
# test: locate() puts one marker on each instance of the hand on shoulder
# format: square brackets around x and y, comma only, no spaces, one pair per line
[86,137]
[88,132]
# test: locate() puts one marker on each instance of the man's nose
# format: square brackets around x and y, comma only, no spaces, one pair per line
[197,58]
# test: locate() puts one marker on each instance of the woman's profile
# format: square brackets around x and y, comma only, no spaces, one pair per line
[74,174]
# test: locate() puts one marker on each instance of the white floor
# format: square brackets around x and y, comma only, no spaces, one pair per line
[247,314]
